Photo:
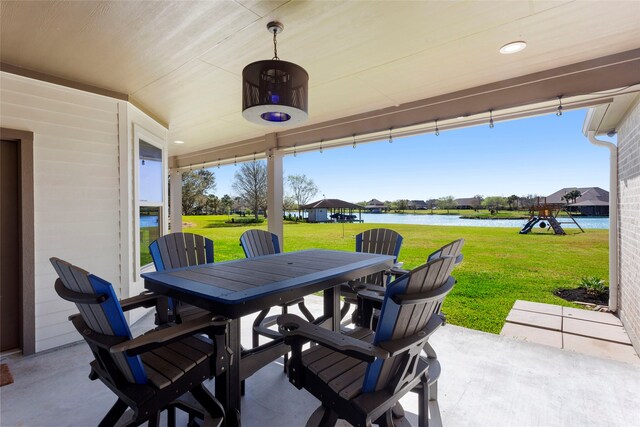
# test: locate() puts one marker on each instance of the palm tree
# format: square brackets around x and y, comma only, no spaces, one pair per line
[572,196]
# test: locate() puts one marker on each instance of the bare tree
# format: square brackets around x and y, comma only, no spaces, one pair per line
[250,182]
[302,189]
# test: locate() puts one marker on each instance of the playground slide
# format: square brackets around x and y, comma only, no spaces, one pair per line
[529,225]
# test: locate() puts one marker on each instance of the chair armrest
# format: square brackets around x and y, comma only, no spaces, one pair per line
[395,268]
[401,345]
[145,299]
[292,327]
[94,338]
[423,297]
[397,271]
[159,337]
[78,297]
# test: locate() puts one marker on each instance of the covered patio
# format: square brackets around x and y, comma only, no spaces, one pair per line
[487,380]
[99,97]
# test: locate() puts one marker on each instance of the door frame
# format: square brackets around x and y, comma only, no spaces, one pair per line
[27,237]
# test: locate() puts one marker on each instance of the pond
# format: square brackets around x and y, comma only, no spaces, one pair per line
[392,218]
[585,222]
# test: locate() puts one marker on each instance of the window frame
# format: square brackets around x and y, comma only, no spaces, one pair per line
[141,134]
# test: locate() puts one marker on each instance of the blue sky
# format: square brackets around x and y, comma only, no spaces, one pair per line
[537,155]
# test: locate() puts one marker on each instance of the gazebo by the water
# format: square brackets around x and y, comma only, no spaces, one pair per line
[332,210]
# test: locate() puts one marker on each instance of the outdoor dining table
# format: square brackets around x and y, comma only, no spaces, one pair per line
[237,288]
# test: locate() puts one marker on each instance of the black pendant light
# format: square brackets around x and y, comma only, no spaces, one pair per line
[274,92]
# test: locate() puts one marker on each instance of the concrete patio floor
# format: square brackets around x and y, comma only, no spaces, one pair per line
[583,331]
[486,380]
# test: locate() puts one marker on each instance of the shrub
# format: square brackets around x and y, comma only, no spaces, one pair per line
[593,285]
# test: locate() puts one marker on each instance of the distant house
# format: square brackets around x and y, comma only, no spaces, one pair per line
[593,202]
[376,206]
[417,204]
[466,203]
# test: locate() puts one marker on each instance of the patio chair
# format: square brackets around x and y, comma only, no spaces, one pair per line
[370,297]
[361,375]
[149,373]
[259,243]
[452,249]
[177,250]
[381,241]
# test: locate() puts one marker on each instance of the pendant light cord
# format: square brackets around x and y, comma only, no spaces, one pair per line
[275,46]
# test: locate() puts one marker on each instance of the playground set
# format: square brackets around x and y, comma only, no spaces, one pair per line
[546,216]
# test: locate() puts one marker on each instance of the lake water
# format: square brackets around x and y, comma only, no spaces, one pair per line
[454,220]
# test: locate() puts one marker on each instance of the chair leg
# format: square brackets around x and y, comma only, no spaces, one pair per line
[398,411]
[285,310]
[423,405]
[432,404]
[257,322]
[303,308]
[154,421]
[344,310]
[386,420]
[208,402]
[171,417]
[114,414]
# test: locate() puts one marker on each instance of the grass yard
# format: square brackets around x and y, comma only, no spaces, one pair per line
[500,265]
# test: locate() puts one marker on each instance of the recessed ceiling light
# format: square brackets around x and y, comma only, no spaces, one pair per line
[178,142]
[513,47]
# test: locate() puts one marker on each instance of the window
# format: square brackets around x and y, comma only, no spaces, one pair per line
[151,187]
[149,231]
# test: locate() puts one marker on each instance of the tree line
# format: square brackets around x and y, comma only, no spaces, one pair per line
[477,202]
[250,186]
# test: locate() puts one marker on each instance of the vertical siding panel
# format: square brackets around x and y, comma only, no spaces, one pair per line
[77,188]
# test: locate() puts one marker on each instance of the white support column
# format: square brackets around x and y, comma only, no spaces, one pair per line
[175,202]
[275,194]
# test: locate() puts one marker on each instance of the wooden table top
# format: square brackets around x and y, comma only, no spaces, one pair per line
[239,287]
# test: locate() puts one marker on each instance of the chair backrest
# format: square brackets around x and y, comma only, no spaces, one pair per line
[382,241]
[256,242]
[453,249]
[101,312]
[181,250]
[409,304]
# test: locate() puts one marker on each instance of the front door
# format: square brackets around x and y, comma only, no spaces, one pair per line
[9,246]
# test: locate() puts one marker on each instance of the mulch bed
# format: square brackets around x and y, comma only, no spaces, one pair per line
[5,376]
[581,295]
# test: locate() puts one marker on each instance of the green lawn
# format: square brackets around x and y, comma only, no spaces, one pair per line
[499,267]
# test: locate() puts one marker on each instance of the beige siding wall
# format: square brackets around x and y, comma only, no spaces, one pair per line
[629,190]
[77,189]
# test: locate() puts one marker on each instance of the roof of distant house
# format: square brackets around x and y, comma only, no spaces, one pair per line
[331,204]
[466,201]
[591,196]
[374,202]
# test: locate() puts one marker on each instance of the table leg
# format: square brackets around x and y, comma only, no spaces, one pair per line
[227,385]
[332,306]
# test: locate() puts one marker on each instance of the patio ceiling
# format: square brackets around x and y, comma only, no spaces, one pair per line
[372,65]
